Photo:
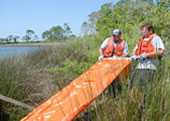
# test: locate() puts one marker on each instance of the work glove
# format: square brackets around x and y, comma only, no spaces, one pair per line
[100,58]
[114,57]
[134,58]
[142,57]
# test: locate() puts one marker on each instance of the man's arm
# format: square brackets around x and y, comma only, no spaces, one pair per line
[103,45]
[125,51]
[159,48]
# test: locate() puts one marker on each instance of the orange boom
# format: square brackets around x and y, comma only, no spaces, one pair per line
[74,98]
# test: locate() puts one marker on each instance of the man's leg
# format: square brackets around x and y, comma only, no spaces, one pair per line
[4,116]
[112,89]
[115,88]
[145,82]
[133,77]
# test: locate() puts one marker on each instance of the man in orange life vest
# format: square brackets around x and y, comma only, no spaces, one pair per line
[114,46]
[148,51]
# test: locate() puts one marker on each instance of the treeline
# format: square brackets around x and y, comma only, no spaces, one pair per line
[128,15]
[29,36]
[55,33]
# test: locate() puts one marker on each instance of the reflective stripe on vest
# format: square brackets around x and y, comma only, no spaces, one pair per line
[145,45]
[113,48]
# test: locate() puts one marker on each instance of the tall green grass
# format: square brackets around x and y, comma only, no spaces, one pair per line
[35,77]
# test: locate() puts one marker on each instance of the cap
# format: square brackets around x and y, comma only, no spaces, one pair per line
[116,32]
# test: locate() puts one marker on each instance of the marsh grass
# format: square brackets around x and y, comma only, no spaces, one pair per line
[35,77]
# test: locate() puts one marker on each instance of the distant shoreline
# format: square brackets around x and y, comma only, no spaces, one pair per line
[29,44]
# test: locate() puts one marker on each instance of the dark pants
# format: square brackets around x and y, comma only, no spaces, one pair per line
[142,79]
[4,116]
[87,116]
[115,88]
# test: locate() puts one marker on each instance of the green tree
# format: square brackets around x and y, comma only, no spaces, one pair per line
[29,34]
[67,30]
[15,38]
[56,33]
[85,28]
[46,35]
[89,27]
[9,38]
[128,15]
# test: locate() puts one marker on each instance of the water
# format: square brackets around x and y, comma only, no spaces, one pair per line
[6,52]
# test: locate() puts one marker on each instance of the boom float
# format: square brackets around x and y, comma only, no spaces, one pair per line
[80,93]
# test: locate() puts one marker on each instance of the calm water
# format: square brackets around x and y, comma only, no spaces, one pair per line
[16,51]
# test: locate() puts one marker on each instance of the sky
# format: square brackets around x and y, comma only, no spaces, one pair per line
[16,16]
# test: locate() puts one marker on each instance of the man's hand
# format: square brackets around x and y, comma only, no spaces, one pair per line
[100,58]
[134,57]
[114,57]
[142,57]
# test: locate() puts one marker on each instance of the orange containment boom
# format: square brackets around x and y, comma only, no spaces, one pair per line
[74,98]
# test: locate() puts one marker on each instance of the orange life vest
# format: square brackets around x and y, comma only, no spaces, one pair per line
[114,48]
[145,45]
